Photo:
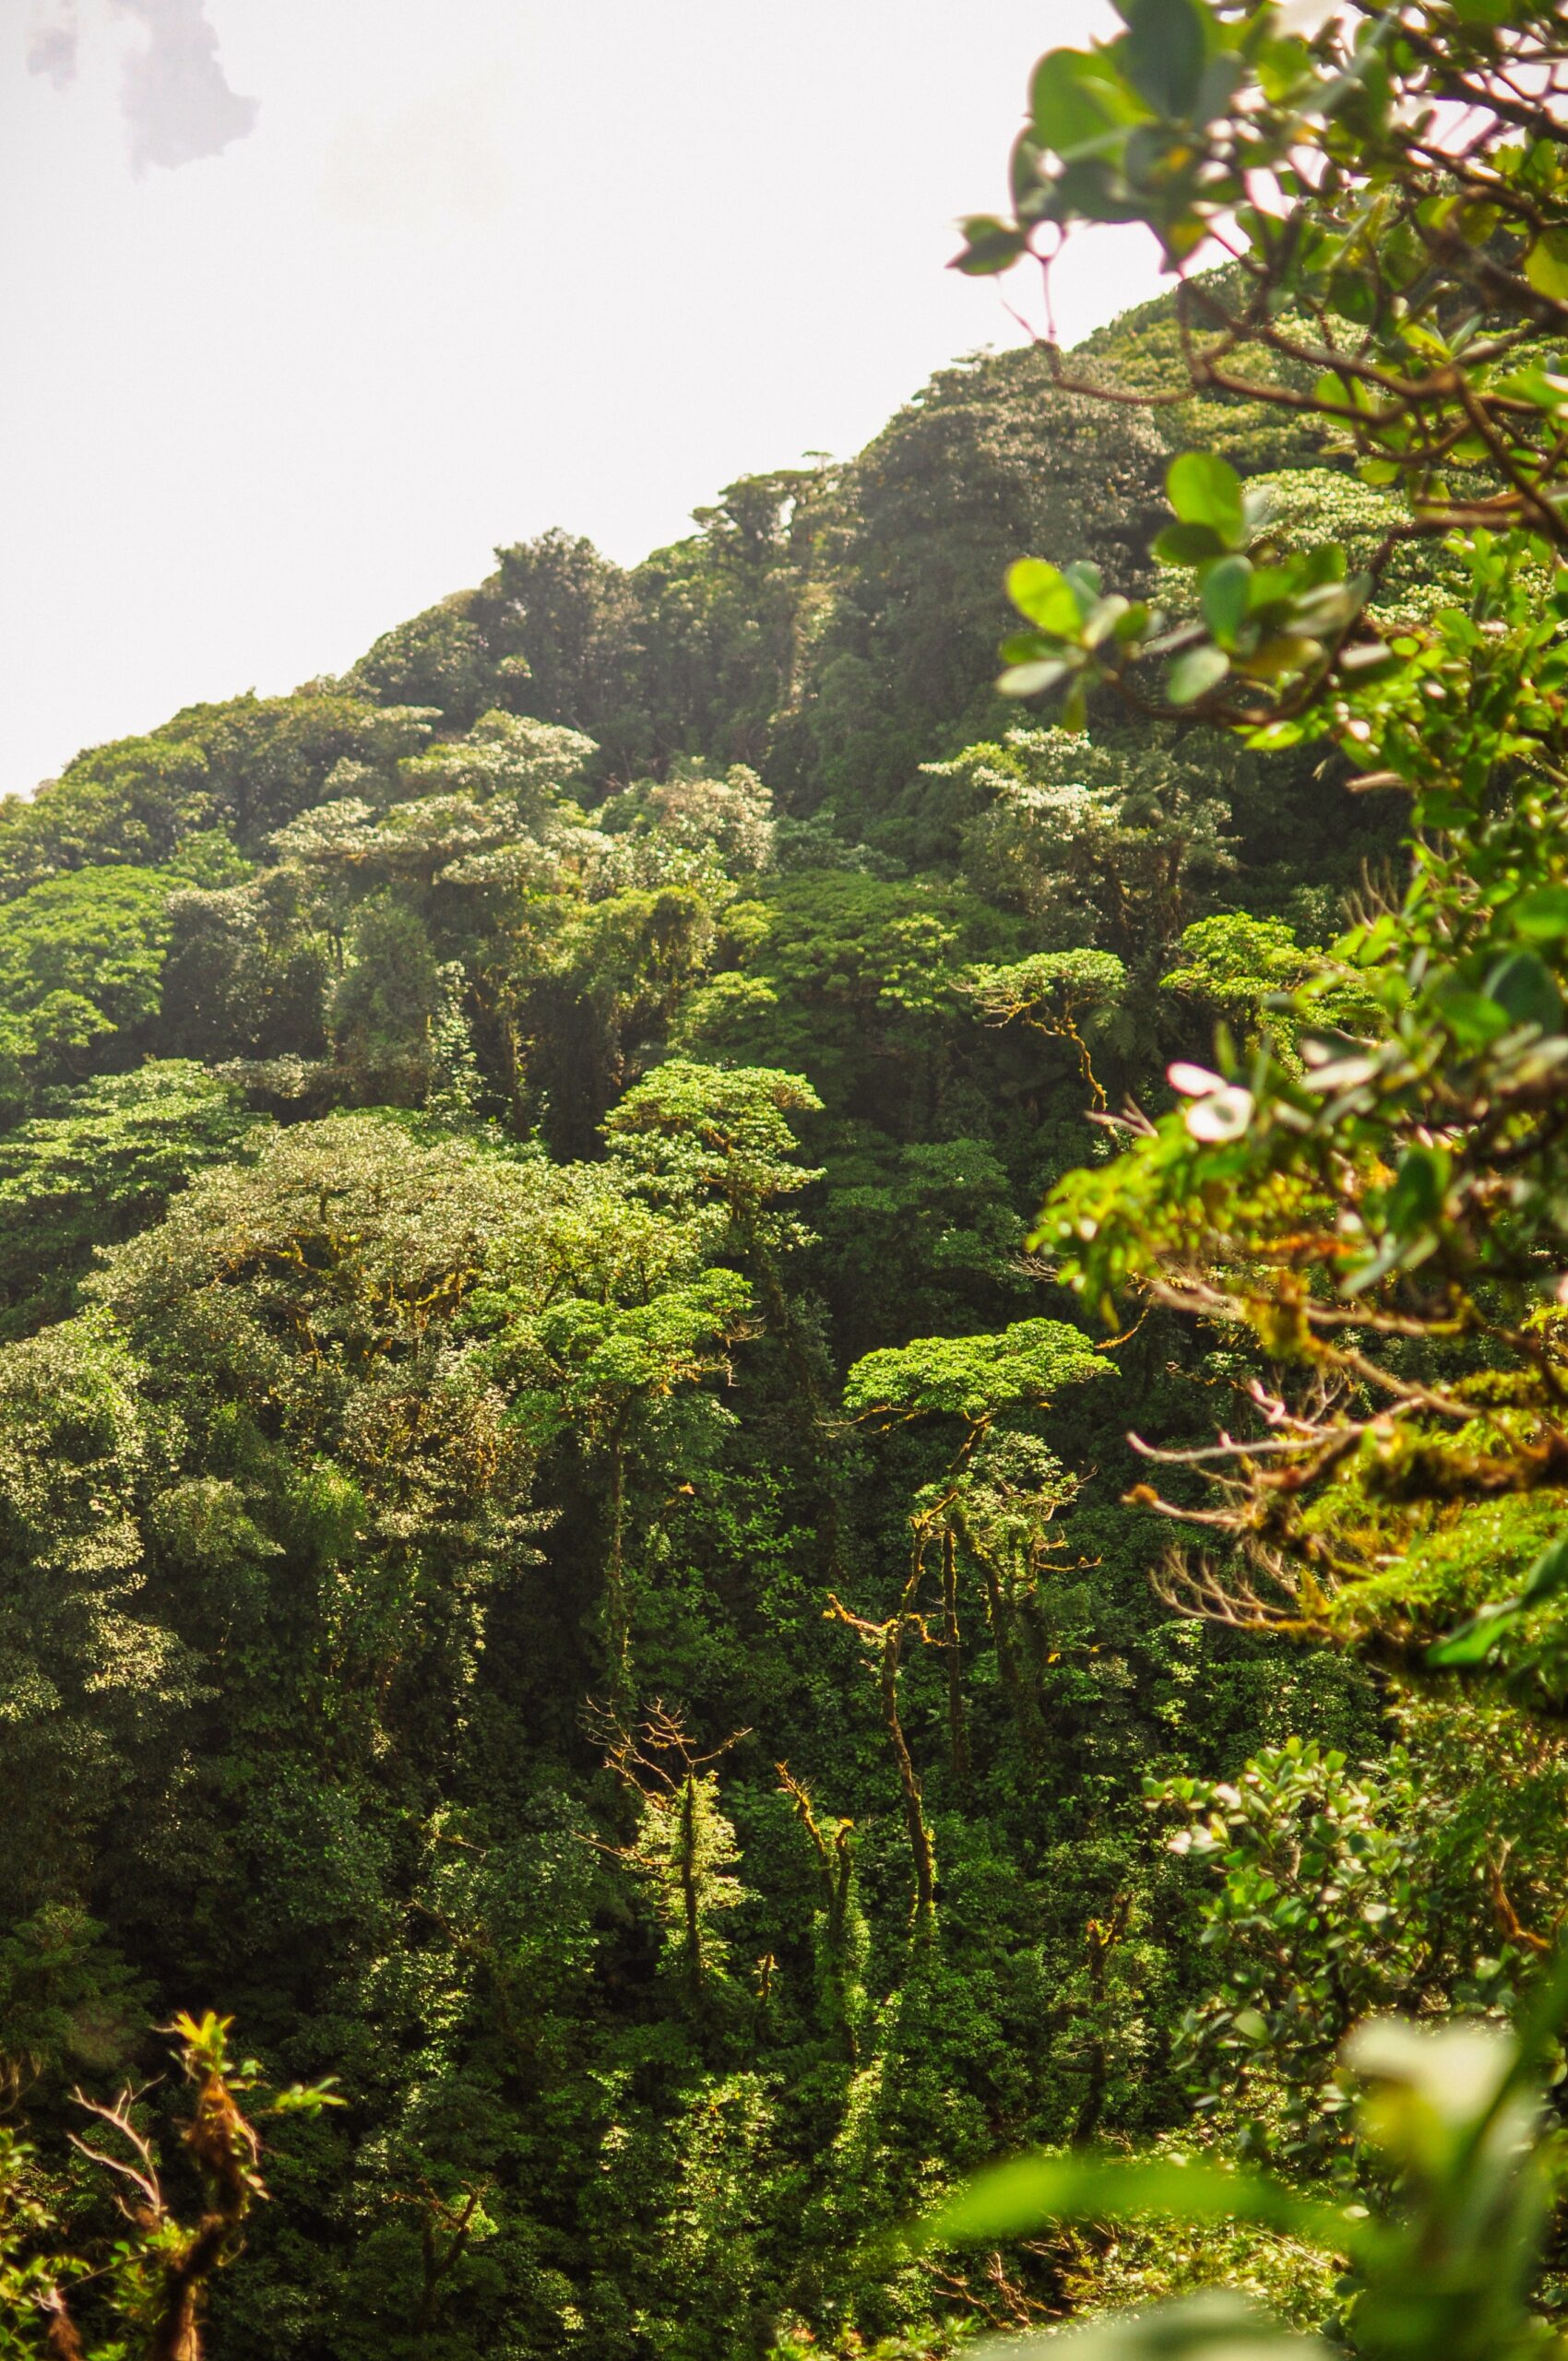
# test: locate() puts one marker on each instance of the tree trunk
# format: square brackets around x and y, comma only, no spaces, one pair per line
[958,1724]
[914,1810]
[617,1613]
[689,1897]
[1025,1708]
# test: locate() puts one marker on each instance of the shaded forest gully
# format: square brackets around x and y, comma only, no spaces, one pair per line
[571,1558]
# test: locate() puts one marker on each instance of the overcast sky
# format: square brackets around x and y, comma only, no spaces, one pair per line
[308,303]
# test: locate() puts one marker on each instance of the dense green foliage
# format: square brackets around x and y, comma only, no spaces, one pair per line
[569,1562]
[1368,1196]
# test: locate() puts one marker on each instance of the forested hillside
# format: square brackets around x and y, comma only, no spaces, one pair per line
[515,1177]
[566,1549]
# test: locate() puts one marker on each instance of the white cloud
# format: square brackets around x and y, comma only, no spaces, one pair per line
[175,99]
[175,95]
[54,41]
[442,156]
[324,415]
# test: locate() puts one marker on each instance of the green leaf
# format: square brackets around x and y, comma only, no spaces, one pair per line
[989,246]
[1187,544]
[1104,617]
[1547,1578]
[1546,265]
[1541,916]
[1418,1191]
[1043,593]
[1222,77]
[1526,988]
[1325,561]
[1542,386]
[1067,102]
[1286,651]
[1164,54]
[1023,173]
[1215,2326]
[1192,675]
[1032,680]
[1473,1641]
[1271,586]
[1224,590]
[1472,1017]
[1427,2084]
[1206,490]
[1478,222]
[1031,2192]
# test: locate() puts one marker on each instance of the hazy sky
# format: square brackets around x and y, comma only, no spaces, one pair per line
[308,303]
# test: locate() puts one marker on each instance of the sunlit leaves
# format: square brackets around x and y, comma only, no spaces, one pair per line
[1211,2327]
[1024,2196]
[1546,265]
[1443,2267]
[1475,1643]
[721,1129]
[1266,613]
[1526,992]
[973,1378]
[1072,621]
[1542,916]
[1044,596]
[1207,491]
[1184,118]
